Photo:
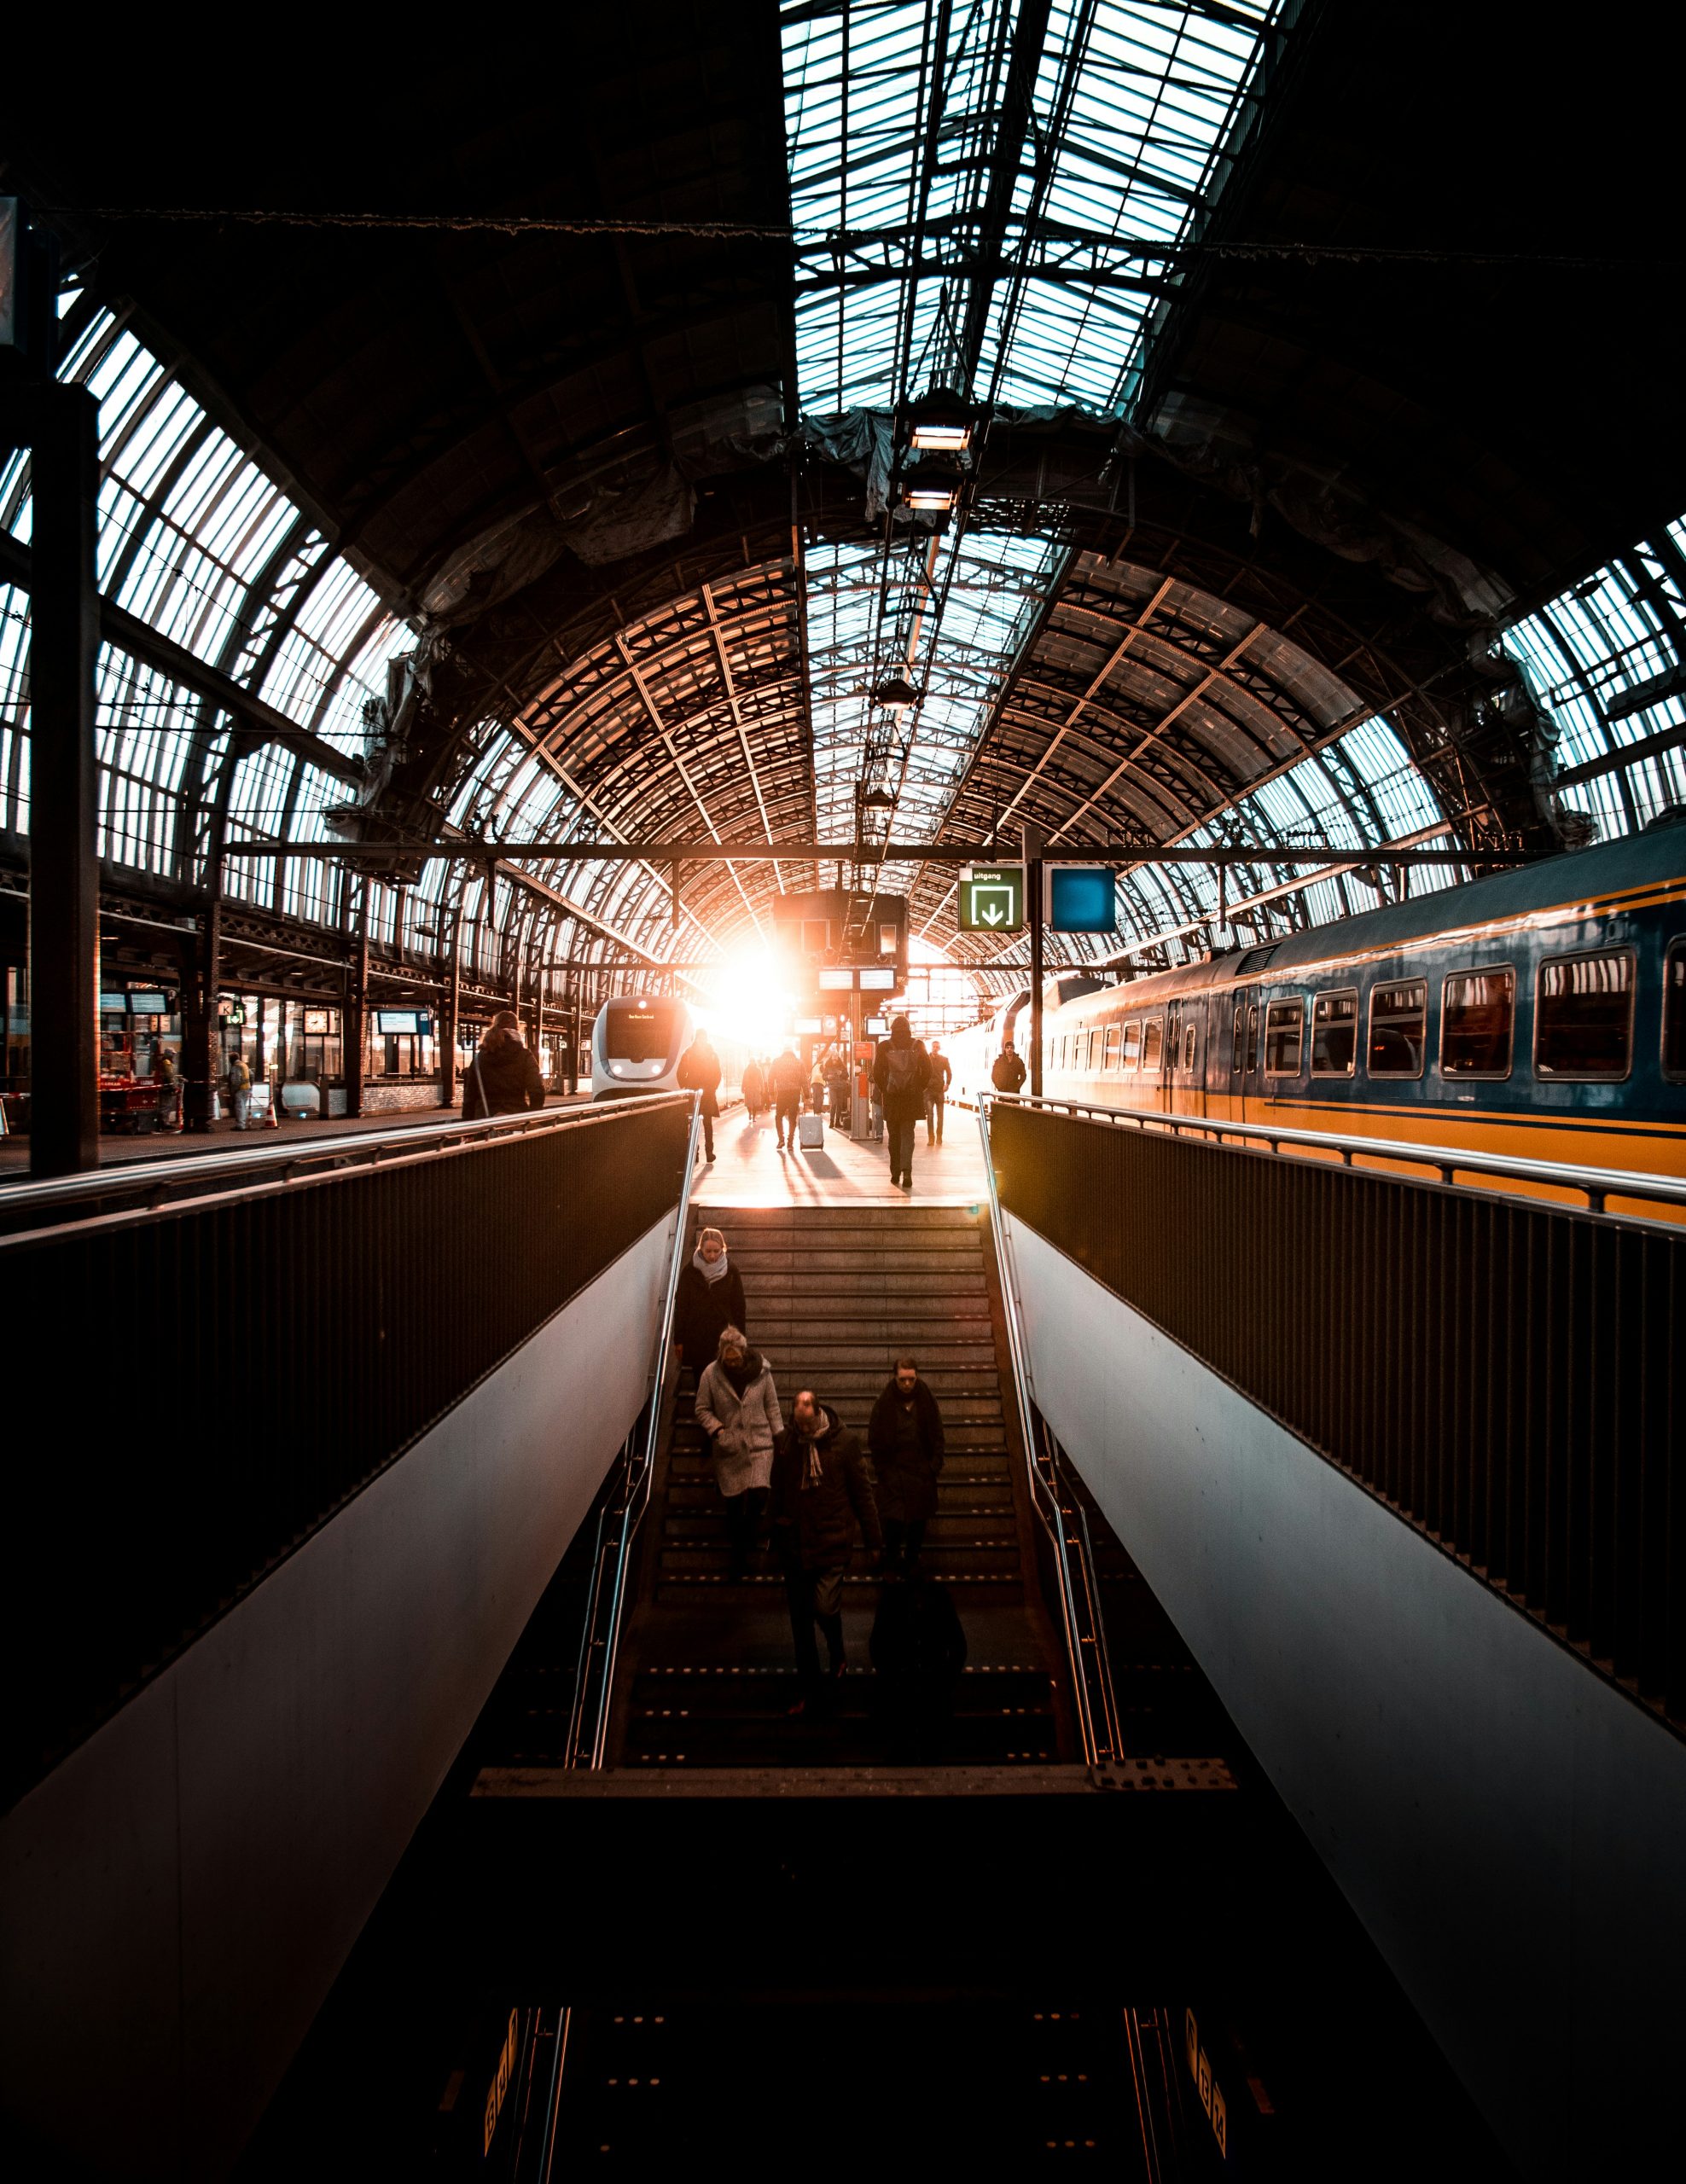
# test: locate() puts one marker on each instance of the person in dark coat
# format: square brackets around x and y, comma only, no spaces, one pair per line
[936,1092]
[901,1073]
[822,1492]
[754,1088]
[708,1300]
[837,1085]
[503,1078]
[787,1082]
[1009,1072]
[918,1650]
[906,1440]
[700,1071]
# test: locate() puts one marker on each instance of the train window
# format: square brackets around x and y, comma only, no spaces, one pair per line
[1477,1013]
[1133,1047]
[1583,1015]
[1237,1049]
[1284,1036]
[1109,1060]
[638,1031]
[1252,1037]
[1188,1046]
[1674,1011]
[1153,1043]
[1335,1033]
[1399,1028]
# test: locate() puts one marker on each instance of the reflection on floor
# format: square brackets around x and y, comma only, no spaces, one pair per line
[749,1169]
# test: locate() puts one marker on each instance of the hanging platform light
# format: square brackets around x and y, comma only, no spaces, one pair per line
[940,423]
[896,692]
[930,488]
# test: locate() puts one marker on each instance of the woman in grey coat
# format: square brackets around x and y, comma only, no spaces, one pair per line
[737,1406]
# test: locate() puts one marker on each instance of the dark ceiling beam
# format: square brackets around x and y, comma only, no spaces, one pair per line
[131,635]
[1112,851]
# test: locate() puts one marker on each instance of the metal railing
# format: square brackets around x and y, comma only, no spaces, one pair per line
[194,1390]
[137,1188]
[1060,1514]
[1503,1372]
[1447,1163]
[622,1514]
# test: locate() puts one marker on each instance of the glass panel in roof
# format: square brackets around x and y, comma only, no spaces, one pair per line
[1607,661]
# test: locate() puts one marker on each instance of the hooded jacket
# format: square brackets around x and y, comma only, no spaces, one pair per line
[742,1427]
[906,1478]
[503,1079]
[822,1490]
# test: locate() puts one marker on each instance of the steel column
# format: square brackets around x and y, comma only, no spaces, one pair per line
[62,426]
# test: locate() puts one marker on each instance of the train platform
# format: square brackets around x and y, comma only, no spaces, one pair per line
[749,1169]
[120,1152]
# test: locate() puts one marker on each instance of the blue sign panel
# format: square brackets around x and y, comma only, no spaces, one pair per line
[1081,898]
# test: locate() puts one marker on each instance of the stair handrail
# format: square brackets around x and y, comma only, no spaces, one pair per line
[1061,1514]
[623,1511]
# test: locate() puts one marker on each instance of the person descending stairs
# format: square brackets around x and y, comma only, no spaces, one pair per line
[834,1294]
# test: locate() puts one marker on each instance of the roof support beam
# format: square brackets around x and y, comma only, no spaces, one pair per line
[715,852]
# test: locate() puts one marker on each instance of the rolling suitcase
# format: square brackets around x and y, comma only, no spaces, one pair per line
[811,1132]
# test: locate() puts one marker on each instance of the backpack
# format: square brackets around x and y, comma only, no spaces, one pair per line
[901,1073]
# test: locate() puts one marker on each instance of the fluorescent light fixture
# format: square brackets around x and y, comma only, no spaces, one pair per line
[939,423]
[930,490]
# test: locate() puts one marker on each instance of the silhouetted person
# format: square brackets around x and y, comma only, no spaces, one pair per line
[905,1441]
[788,1081]
[503,1078]
[918,1650]
[754,1088]
[936,1092]
[822,1492]
[1009,1072]
[700,1071]
[901,1073]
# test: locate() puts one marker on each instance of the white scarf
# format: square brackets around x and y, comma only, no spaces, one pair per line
[716,1272]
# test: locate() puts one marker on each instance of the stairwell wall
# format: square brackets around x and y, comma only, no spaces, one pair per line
[179,1895]
[1506,1823]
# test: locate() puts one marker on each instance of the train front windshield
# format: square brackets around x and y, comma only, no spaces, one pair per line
[639,1030]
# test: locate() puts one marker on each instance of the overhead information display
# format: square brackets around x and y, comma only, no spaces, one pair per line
[1080,898]
[992,898]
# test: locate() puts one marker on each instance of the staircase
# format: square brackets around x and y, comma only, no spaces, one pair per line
[834,1293]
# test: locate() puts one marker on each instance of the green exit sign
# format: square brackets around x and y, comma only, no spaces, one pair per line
[992,898]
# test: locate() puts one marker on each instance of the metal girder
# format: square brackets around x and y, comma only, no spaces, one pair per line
[131,635]
[1113,851]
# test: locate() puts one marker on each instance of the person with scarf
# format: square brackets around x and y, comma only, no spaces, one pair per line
[737,1406]
[708,1300]
[822,1492]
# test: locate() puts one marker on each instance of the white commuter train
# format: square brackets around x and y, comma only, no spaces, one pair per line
[638,1038]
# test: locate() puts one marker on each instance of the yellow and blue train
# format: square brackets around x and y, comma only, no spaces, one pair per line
[1539,1013]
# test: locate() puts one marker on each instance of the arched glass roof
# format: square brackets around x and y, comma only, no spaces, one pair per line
[981,193]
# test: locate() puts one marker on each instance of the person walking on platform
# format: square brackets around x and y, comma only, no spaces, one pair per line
[1009,1073]
[837,1085]
[822,1491]
[936,1092]
[901,1073]
[700,1071]
[503,1078]
[737,1406]
[905,1441]
[754,1089]
[169,1082]
[708,1300]
[240,1090]
[788,1083]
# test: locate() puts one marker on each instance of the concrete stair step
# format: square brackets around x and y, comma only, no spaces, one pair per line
[947,1527]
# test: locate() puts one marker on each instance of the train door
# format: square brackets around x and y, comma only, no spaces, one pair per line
[1247,1025]
[1165,1092]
